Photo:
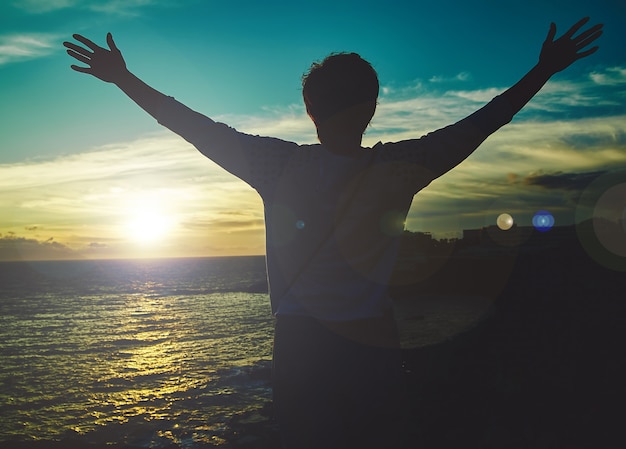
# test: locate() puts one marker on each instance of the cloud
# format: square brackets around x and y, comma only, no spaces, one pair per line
[125,7]
[477,96]
[44,6]
[13,247]
[289,123]
[611,76]
[23,47]
[601,93]
[462,76]
[562,181]
[229,221]
[113,7]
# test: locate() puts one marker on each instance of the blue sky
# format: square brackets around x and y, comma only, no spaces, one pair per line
[83,171]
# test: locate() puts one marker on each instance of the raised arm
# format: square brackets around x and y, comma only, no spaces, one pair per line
[243,155]
[444,149]
[109,66]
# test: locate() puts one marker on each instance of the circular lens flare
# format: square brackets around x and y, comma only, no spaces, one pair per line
[543,221]
[600,220]
[504,222]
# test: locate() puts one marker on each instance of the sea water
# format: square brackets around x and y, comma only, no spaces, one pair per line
[145,352]
[154,353]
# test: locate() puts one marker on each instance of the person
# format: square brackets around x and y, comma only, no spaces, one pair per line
[334,212]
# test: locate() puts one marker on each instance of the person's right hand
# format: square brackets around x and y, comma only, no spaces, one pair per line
[559,54]
[107,65]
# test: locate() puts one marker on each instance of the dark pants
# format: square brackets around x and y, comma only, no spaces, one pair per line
[334,391]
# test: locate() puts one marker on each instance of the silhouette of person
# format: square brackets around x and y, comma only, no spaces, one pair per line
[334,212]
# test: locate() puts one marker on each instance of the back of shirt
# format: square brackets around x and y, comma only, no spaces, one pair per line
[333,222]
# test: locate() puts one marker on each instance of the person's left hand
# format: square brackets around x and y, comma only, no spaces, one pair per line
[559,54]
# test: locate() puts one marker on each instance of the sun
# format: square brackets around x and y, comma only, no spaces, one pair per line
[147,227]
[147,222]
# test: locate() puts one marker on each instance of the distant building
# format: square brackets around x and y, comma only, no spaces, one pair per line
[472,237]
[493,238]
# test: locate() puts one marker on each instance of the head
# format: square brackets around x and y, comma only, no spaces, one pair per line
[341,92]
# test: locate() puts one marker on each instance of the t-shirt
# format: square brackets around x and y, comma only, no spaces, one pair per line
[333,222]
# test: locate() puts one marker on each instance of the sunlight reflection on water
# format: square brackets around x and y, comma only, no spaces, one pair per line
[157,366]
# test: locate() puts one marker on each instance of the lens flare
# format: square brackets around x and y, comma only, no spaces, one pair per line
[543,221]
[504,222]
[600,220]
[608,219]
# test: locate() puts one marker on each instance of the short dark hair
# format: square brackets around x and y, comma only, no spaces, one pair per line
[340,81]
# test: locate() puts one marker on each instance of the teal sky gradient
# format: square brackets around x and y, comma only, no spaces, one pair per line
[241,62]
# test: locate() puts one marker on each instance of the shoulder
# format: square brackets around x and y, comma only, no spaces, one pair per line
[404,165]
[402,150]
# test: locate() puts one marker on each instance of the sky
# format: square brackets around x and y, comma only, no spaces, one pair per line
[84,173]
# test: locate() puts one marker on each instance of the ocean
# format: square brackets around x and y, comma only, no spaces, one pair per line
[154,353]
[142,352]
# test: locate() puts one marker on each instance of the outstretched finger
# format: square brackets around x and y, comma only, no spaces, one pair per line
[589,39]
[111,42]
[80,69]
[590,34]
[87,42]
[81,50]
[551,32]
[587,53]
[79,57]
[577,26]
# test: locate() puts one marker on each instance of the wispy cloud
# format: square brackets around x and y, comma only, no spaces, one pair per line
[459,77]
[43,6]
[289,123]
[612,76]
[113,7]
[126,7]
[562,181]
[601,93]
[22,47]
